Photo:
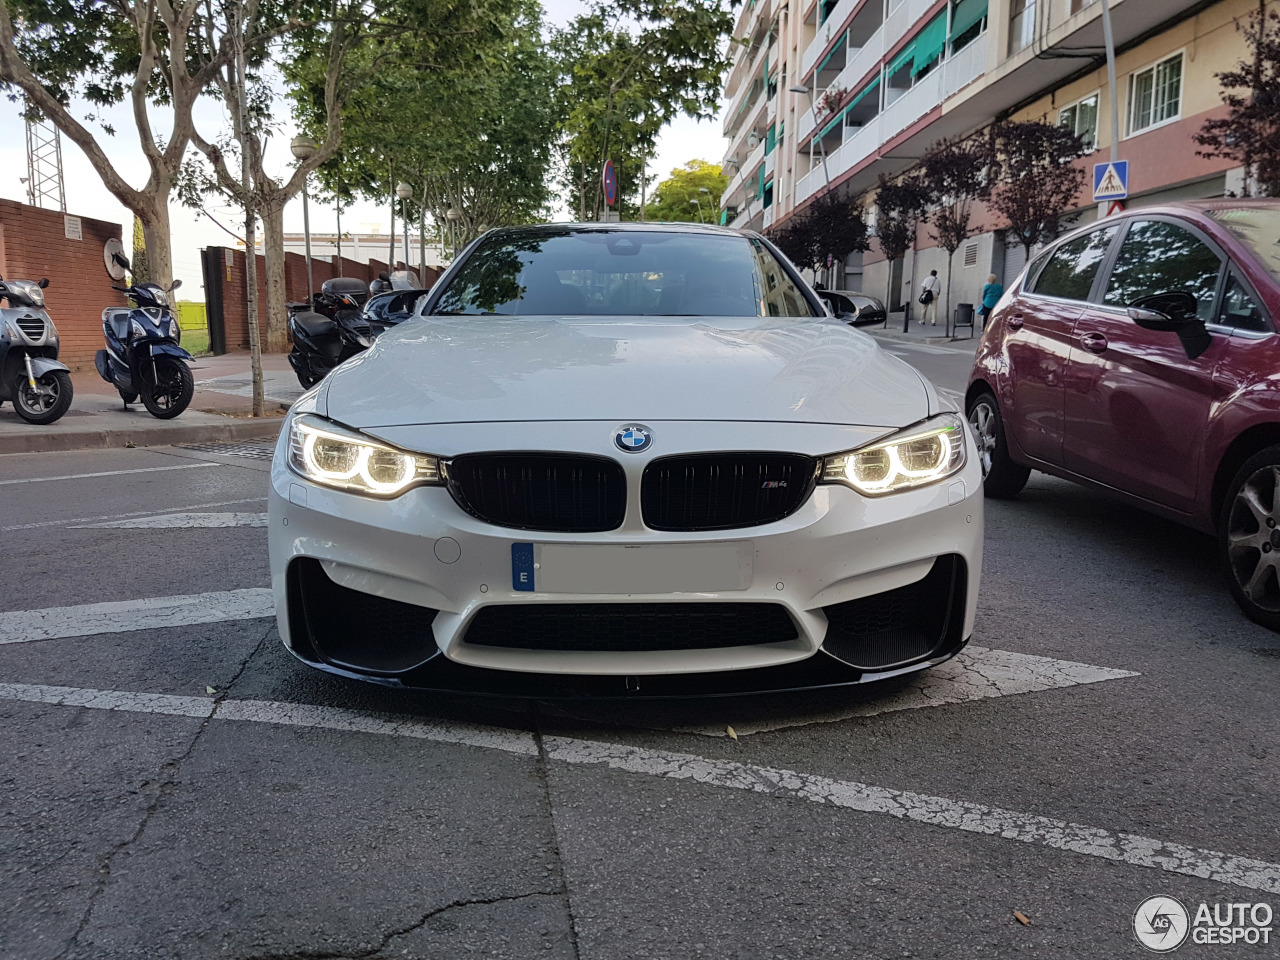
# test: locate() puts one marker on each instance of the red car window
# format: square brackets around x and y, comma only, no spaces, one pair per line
[1161,257]
[1070,270]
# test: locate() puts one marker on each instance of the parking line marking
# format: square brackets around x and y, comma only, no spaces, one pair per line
[948,814]
[119,616]
[111,473]
[182,521]
[976,673]
[121,516]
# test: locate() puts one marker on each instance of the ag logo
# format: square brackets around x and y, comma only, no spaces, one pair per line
[1161,924]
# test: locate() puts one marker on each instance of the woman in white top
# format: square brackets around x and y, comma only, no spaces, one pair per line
[929,298]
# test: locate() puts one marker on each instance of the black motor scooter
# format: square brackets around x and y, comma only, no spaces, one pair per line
[328,330]
[30,374]
[143,358]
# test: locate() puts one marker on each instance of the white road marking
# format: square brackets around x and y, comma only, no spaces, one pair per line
[119,616]
[183,521]
[941,812]
[120,516]
[111,473]
[977,673]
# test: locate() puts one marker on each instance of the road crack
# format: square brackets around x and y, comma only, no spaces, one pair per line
[542,766]
[168,777]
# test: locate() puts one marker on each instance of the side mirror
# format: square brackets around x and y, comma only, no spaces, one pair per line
[384,277]
[1173,313]
[175,285]
[44,282]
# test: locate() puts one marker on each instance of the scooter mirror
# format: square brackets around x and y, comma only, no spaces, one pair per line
[44,282]
[384,277]
[176,285]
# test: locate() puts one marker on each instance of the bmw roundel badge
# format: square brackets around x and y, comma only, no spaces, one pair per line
[633,438]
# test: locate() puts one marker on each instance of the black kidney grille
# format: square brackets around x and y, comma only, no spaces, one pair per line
[721,491]
[532,491]
[31,327]
[901,626]
[630,627]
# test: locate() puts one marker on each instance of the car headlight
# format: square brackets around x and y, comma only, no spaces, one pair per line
[334,456]
[918,456]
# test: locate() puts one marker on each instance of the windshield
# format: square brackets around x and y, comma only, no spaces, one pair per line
[1258,228]
[622,273]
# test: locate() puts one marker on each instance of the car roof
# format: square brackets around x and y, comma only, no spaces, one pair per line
[562,229]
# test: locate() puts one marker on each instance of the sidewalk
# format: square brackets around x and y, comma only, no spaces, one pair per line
[923,333]
[221,410]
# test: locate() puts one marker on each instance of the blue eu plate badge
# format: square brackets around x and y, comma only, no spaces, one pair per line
[522,567]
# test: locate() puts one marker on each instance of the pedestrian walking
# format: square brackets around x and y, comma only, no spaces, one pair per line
[991,295]
[929,298]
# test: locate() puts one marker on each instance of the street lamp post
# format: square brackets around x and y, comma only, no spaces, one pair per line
[405,192]
[303,149]
[452,215]
[701,218]
[715,211]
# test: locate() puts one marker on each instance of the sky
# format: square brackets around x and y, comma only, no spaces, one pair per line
[679,142]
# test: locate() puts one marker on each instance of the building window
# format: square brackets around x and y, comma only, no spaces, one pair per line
[1022,24]
[968,20]
[1155,95]
[1078,5]
[1081,118]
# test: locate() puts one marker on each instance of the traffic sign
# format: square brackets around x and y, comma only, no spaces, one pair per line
[1111,180]
[610,183]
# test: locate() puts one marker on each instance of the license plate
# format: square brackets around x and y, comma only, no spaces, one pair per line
[619,569]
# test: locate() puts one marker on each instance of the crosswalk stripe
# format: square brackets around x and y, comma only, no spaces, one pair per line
[182,521]
[941,812]
[110,473]
[119,616]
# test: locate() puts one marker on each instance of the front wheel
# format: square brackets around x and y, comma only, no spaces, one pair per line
[1002,479]
[172,391]
[48,400]
[1249,537]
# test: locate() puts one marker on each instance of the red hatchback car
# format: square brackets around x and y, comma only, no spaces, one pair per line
[1139,355]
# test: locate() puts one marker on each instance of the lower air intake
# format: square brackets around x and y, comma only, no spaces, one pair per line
[900,627]
[630,627]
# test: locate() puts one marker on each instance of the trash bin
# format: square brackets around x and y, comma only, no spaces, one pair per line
[964,317]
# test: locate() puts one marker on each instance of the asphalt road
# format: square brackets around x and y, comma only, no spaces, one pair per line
[179,789]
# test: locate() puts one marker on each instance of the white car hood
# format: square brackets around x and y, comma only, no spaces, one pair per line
[445,369]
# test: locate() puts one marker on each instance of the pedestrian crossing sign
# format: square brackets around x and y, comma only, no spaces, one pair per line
[1111,180]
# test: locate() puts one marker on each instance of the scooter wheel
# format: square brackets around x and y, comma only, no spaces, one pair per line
[50,399]
[172,391]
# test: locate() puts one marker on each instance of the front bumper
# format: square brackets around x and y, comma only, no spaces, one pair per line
[416,592]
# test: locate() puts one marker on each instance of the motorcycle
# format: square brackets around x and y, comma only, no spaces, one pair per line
[30,374]
[143,357]
[329,330]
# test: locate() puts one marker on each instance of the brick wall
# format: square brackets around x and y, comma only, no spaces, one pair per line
[33,244]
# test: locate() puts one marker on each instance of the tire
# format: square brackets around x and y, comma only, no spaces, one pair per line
[126,397]
[1002,479]
[172,391]
[48,402]
[1249,537]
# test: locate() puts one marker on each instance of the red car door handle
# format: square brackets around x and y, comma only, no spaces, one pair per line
[1093,342]
[1015,322]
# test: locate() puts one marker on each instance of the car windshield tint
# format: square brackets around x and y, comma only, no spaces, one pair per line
[1159,257]
[1258,228]
[622,273]
[1071,268]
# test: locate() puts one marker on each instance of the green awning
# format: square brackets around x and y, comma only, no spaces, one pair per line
[930,43]
[770,139]
[965,15]
[905,56]
[858,99]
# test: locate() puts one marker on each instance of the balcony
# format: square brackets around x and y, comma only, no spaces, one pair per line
[747,171]
[902,19]
[770,214]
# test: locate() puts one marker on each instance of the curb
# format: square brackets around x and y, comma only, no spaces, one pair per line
[157,436]
[907,338]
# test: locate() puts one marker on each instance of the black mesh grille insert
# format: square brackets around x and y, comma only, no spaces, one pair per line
[540,491]
[721,491]
[357,630]
[902,626]
[619,627]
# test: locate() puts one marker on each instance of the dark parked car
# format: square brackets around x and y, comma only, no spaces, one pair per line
[855,308]
[1138,355]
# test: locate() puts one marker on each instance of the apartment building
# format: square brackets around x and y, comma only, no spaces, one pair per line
[883,79]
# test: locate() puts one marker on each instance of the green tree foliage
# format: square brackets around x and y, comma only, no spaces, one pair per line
[630,67]
[1250,132]
[902,204]
[955,174]
[830,228]
[467,116]
[675,197]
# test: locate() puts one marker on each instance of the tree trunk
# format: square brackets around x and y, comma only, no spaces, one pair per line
[273,253]
[155,233]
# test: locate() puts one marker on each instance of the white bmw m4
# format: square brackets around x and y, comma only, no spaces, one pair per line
[624,459]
